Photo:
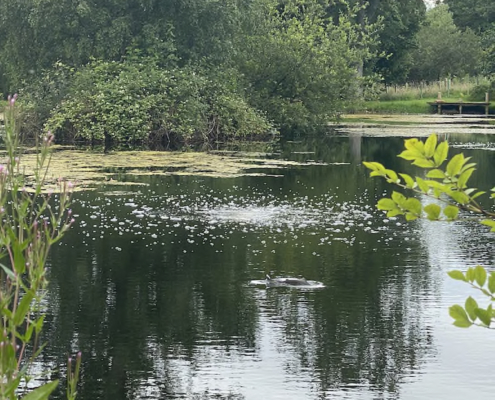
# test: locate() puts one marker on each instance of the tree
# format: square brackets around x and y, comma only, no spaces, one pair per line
[488,44]
[448,186]
[443,49]
[478,15]
[299,66]
[396,21]
[287,58]
[401,21]
[36,34]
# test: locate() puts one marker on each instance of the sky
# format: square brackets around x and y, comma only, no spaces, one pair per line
[430,3]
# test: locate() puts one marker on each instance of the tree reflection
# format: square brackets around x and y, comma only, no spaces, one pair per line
[155,304]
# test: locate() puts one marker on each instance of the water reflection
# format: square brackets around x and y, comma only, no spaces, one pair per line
[151,285]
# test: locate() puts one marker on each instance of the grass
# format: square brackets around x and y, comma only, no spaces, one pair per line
[418,106]
[398,107]
[414,98]
[450,88]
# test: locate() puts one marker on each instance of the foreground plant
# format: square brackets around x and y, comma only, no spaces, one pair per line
[448,185]
[31,222]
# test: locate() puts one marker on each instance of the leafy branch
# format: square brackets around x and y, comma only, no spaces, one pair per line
[448,186]
[466,316]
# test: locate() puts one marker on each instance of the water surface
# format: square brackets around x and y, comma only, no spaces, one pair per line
[152,285]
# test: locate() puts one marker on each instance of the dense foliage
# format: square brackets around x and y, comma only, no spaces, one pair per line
[479,16]
[207,69]
[300,68]
[136,100]
[246,67]
[444,50]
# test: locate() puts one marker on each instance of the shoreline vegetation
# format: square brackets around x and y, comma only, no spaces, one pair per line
[414,98]
[407,107]
[181,74]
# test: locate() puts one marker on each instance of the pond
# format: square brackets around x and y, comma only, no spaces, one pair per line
[151,284]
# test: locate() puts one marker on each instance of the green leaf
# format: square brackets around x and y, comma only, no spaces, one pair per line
[460,197]
[457,275]
[29,332]
[460,316]
[410,155]
[477,194]
[491,283]
[441,153]
[490,223]
[413,205]
[485,316]
[414,144]
[19,260]
[394,213]
[455,165]
[430,145]
[374,166]
[422,185]
[392,175]
[464,177]
[408,180]
[451,212]
[411,216]
[424,163]
[470,274]
[470,306]
[39,324]
[436,185]
[9,272]
[480,275]
[468,166]
[386,204]
[436,173]
[433,211]
[41,393]
[23,308]
[399,198]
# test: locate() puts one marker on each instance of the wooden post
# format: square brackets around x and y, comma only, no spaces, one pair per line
[439,103]
[487,100]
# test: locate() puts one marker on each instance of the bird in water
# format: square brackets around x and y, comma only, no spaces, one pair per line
[286,281]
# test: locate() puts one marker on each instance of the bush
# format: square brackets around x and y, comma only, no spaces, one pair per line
[478,93]
[132,101]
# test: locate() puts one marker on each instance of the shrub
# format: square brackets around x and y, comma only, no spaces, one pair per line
[132,101]
[478,93]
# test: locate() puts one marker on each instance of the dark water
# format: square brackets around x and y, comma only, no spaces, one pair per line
[151,286]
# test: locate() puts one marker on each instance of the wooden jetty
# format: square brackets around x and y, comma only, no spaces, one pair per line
[459,105]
